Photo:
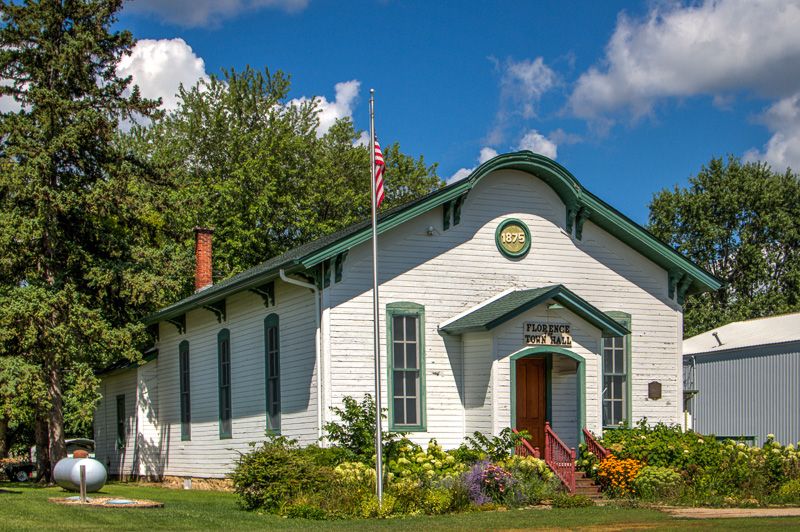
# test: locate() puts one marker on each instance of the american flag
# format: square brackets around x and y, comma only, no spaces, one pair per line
[379,167]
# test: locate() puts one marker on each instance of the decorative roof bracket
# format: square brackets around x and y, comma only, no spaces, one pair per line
[583,215]
[218,308]
[267,293]
[179,322]
[683,287]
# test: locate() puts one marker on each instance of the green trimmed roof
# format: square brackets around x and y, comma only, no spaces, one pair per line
[124,364]
[499,311]
[572,193]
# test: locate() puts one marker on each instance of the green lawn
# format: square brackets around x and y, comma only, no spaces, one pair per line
[25,507]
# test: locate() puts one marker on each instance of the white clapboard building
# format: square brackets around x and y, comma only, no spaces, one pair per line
[509,299]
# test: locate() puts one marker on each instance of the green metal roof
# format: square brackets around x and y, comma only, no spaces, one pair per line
[499,311]
[556,176]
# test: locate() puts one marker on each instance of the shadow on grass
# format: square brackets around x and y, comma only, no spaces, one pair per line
[15,487]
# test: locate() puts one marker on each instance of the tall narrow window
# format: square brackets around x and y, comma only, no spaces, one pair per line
[224,359]
[186,405]
[406,326]
[616,384]
[272,354]
[121,436]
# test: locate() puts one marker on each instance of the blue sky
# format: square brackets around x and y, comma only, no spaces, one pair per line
[631,97]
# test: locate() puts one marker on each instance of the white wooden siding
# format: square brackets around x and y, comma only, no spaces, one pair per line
[564,377]
[150,433]
[448,272]
[451,271]
[564,380]
[117,460]
[477,378]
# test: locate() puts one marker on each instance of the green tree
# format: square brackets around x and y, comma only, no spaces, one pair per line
[247,161]
[742,223]
[79,248]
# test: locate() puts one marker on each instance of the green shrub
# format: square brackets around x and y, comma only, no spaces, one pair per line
[481,447]
[355,431]
[305,511]
[534,481]
[565,500]
[437,501]
[270,475]
[407,460]
[663,445]
[654,482]
[459,493]
[370,507]
[326,456]
[789,493]
[712,472]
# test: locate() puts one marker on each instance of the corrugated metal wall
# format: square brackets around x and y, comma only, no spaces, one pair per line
[747,392]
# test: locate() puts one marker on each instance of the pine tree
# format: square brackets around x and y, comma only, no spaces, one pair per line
[76,244]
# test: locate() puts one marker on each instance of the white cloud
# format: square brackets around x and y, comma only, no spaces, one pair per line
[486,154]
[460,174]
[783,149]
[522,85]
[525,82]
[532,140]
[715,47]
[158,67]
[538,143]
[7,103]
[340,107]
[194,13]
[362,140]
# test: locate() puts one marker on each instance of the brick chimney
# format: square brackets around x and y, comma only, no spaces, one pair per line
[202,254]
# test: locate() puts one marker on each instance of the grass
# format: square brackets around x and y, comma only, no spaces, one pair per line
[25,507]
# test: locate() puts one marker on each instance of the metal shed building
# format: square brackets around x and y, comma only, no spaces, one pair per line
[742,380]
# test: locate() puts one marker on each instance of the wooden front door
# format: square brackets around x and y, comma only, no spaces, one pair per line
[532,398]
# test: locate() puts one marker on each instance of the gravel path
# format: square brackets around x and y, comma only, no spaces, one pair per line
[717,513]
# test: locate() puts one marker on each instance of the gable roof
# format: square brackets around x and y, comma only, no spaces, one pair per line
[495,312]
[749,333]
[572,193]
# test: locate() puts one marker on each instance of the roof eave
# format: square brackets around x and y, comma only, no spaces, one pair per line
[388,222]
[212,294]
[574,303]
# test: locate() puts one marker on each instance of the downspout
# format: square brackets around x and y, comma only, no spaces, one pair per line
[317,340]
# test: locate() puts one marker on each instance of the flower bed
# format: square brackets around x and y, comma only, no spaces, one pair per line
[664,463]
[339,481]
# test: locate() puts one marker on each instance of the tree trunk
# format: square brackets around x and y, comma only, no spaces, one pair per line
[58,448]
[3,437]
[42,454]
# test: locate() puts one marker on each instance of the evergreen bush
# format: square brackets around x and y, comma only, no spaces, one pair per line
[270,475]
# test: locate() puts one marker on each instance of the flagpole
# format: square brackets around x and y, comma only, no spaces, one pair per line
[375,307]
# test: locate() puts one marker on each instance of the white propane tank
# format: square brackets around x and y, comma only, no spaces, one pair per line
[67,474]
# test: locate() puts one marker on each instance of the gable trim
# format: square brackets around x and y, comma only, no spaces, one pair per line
[574,196]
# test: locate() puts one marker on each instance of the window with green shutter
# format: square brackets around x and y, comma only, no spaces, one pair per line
[616,375]
[121,432]
[405,324]
[186,405]
[224,362]
[272,362]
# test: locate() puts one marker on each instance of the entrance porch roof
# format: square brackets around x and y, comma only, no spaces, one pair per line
[489,315]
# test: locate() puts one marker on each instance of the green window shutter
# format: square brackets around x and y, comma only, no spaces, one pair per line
[121,420]
[186,405]
[616,368]
[405,325]
[224,366]
[272,364]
